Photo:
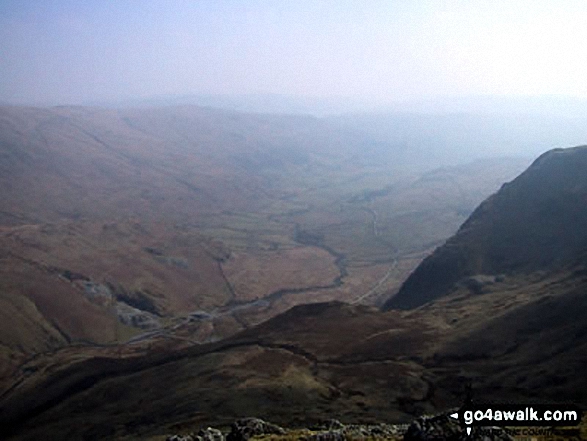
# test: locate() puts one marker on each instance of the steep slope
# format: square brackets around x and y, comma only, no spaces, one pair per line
[525,337]
[537,222]
[92,282]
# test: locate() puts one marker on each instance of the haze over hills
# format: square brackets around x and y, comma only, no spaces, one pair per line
[251,103]
[517,337]
[195,223]
[275,103]
[462,134]
[450,128]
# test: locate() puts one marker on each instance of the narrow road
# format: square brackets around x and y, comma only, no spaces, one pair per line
[378,285]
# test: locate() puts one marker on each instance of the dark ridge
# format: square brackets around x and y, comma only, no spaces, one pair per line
[537,222]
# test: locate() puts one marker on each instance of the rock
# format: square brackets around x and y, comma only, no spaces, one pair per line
[476,284]
[210,434]
[246,428]
[331,424]
[137,318]
[372,431]
[180,438]
[332,435]
[334,430]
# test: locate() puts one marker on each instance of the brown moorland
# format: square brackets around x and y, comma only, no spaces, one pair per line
[143,251]
[193,223]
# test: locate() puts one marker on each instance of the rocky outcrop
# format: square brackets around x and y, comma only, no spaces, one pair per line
[245,428]
[136,318]
[209,434]
[180,438]
[426,428]
[329,430]
[336,431]
[241,430]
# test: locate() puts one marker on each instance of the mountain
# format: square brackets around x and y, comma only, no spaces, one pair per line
[537,222]
[186,224]
[252,103]
[519,337]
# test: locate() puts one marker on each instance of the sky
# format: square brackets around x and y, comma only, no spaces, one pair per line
[75,51]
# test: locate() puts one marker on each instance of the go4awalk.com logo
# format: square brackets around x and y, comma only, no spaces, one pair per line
[483,415]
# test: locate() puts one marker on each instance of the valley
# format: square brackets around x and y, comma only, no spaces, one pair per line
[120,223]
[293,220]
[164,269]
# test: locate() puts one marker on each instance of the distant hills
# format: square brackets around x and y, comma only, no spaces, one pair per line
[442,131]
[250,103]
[466,134]
[72,162]
[273,103]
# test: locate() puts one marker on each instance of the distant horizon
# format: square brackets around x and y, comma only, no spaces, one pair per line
[553,105]
[382,53]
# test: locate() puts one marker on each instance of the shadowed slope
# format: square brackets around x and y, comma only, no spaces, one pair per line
[291,368]
[536,222]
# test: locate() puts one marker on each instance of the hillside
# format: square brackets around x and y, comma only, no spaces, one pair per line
[316,362]
[520,338]
[72,162]
[189,224]
[537,222]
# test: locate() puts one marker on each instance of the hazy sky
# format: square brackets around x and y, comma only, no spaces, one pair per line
[69,51]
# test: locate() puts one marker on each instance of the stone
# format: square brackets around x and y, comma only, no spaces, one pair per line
[180,438]
[245,428]
[210,434]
